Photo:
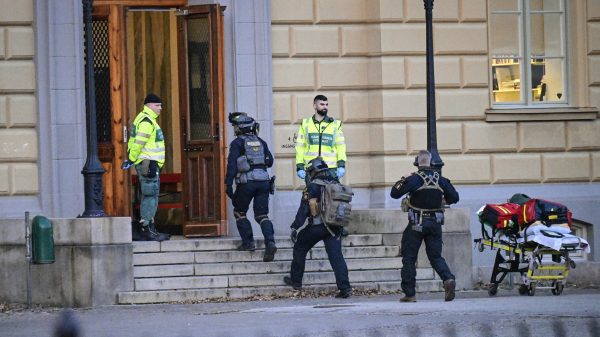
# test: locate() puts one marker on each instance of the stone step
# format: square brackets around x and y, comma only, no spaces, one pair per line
[192,295]
[259,280]
[235,268]
[181,244]
[225,256]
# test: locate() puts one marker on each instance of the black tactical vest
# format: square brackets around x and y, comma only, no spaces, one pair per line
[255,152]
[429,195]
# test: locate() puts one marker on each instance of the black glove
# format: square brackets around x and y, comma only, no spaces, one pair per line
[229,191]
[294,235]
[153,169]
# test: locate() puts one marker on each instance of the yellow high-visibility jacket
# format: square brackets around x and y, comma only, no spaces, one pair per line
[324,139]
[146,139]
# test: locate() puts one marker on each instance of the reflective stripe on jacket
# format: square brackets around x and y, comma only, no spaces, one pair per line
[324,139]
[146,140]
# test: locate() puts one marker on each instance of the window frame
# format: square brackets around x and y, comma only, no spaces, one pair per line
[524,14]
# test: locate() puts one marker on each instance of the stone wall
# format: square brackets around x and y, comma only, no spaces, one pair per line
[456,236]
[18,104]
[368,57]
[93,262]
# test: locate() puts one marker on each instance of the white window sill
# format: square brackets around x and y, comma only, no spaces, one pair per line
[538,114]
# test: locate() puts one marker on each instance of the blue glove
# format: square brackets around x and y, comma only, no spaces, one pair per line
[341,172]
[126,165]
[301,174]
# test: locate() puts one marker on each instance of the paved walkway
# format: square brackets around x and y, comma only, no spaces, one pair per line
[575,313]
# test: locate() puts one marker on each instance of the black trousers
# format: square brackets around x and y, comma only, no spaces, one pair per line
[309,237]
[411,242]
[244,194]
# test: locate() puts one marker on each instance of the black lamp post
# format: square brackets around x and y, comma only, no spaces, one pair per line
[92,170]
[436,160]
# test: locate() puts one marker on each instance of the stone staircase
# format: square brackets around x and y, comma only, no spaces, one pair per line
[187,270]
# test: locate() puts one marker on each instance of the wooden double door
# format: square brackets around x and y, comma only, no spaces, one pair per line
[176,52]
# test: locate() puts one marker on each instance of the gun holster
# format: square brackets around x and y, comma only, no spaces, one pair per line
[272,185]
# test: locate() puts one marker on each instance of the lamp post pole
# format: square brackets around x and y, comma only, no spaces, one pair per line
[92,170]
[436,160]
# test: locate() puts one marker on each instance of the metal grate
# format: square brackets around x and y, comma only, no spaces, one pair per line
[102,79]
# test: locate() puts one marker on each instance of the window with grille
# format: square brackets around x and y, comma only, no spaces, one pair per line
[102,79]
[528,53]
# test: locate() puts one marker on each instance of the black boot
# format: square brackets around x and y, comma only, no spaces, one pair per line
[270,251]
[135,230]
[162,236]
[148,234]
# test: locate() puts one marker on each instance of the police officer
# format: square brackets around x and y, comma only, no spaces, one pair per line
[146,150]
[249,158]
[427,190]
[305,236]
[321,136]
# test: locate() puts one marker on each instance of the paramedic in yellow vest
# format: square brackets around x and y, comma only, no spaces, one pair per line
[146,150]
[321,136]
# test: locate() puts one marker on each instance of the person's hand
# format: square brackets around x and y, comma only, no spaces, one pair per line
[301,174]
[127,164]
[229,191]
[341,172]
[294,235]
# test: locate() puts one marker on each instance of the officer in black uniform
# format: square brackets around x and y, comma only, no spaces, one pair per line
[427,190]
[249,158]
[305,236]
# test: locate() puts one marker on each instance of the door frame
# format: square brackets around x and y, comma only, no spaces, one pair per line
[118,192]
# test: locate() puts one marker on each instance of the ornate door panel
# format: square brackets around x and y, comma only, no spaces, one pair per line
[202,104]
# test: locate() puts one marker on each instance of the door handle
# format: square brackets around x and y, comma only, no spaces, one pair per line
[216,137]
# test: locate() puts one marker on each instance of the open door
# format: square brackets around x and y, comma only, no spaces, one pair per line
[202,111]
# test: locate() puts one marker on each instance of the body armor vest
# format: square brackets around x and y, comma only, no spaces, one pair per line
[429,196]
[255,152]
[252,165]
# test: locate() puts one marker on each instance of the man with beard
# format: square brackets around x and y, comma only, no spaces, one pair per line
[321,136]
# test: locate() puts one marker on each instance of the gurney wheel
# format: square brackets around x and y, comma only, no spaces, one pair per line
[531,289]
[558,289]
[493,289]
[523,289]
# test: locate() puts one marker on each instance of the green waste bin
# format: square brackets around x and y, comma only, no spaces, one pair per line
[42,240]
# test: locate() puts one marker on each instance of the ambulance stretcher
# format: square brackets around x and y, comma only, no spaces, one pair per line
[539,253]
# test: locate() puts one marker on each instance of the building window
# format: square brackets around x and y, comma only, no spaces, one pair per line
[528,51]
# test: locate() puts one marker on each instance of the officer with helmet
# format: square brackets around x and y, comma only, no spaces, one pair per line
[249,158]
[427,191]
[306,234]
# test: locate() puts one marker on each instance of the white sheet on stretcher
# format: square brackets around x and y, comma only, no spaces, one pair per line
[555,237]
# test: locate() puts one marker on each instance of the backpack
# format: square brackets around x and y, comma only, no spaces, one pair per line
[334,205]
[500,216]
[548,212]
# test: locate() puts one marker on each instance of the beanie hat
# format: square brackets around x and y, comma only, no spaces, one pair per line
[152,98]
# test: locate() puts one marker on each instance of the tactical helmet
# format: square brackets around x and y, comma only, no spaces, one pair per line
[242,123]
[315,166]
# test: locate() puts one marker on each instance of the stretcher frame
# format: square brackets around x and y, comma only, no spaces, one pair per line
[526,258]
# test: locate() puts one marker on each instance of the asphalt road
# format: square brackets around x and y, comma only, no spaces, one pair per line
[575,313]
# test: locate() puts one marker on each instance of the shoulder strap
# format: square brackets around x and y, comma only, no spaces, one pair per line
[430,182]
